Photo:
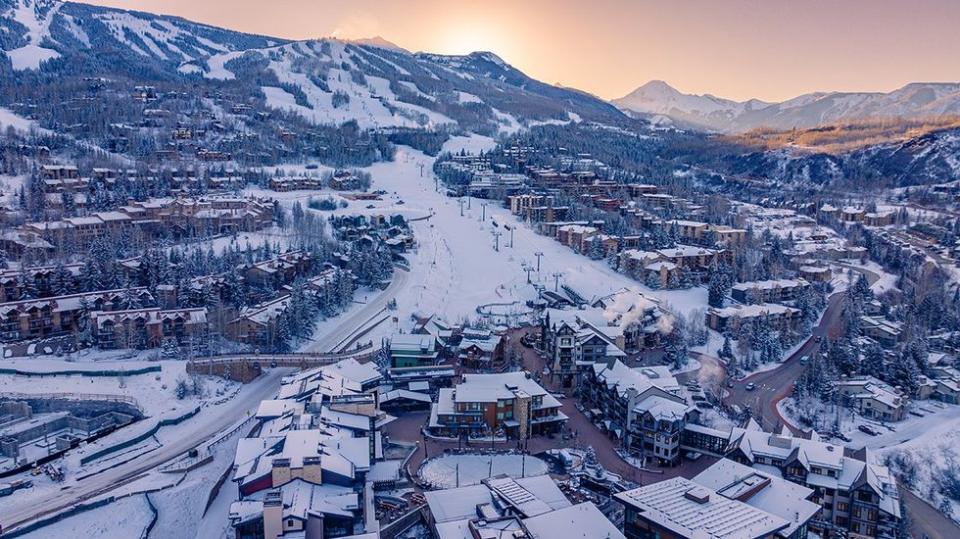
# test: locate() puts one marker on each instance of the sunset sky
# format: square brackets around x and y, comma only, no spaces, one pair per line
[769,49]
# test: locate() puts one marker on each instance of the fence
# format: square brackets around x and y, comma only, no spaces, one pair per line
[107,373]
[247,367]
[212,495]
[153,520]
[137,439]
[84,397]
[402,524]
[75,510]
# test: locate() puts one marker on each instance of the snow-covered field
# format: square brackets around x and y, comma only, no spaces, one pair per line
[450,471]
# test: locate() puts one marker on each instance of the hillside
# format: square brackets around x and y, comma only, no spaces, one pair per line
[845,137]
[932,157]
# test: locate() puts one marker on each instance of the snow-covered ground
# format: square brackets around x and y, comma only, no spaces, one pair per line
[180,509]
[126,518]
[450,471]
[456,265]
[31,55]
[936,419]
[8,118]
[153,391]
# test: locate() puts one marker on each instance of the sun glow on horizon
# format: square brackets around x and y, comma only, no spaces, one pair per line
[464,37]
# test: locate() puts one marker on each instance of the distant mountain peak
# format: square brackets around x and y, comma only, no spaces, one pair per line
[805,111]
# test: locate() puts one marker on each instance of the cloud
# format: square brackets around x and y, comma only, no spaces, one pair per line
[356,26]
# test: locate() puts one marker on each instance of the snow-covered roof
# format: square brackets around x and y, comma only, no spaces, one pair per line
[681,251]
[493,387]
[538,494]
[770,285]
[582,521]
[690,509]
[662,408]
[766,492]
[753,311]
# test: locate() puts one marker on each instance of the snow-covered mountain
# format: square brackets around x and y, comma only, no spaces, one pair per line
[325,81]
[805,111]
[35,32]
[705,111]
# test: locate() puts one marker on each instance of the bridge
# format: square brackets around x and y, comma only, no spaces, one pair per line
[245,368]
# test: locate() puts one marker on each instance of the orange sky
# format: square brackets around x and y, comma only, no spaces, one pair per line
[769,49]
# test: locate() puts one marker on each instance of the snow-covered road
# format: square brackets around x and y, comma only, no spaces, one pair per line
[15,512]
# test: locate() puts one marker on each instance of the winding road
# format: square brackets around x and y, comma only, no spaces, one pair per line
[777,384]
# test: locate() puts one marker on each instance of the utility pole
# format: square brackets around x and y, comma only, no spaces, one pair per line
[539,255]
[510,228]
[461,207]
[496,237]
[483,217]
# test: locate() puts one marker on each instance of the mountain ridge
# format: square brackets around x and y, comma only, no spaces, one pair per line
[708,112]
[376,83]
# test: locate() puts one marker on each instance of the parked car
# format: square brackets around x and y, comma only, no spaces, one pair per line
[751,386]
[867,430]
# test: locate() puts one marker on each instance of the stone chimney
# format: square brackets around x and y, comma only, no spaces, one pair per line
[273,515]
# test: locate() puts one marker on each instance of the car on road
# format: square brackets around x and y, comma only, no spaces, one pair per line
[804,360]
[841,436]
[867,430]
[751,386]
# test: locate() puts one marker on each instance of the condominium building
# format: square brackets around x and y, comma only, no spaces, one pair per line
[859,497]
[511,404]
